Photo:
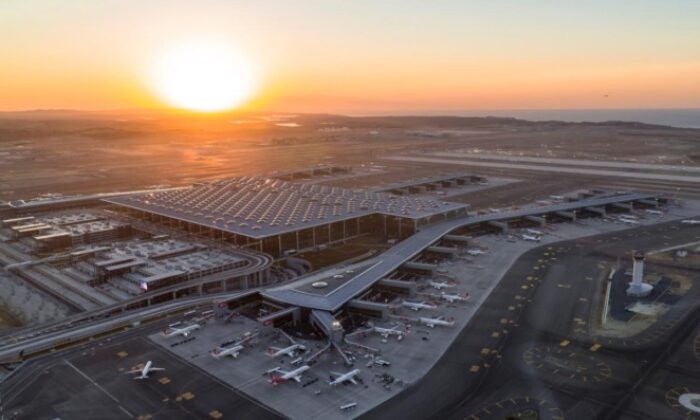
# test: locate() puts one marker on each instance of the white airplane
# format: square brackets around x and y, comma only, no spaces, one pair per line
[143,373]
[534,232]
[531,238]
[475,252]
[417,306]
[184,331]
[690,222]
[232,351]
[432,322]
[285,375]
[290,351]
[339,378]
[440,284]
[386,332]
[454,297]
[629,221]
[654,212]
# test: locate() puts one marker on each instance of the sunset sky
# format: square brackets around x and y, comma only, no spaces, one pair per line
[361,56]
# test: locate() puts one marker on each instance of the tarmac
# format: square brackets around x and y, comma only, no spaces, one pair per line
[503,352]
[92,383]
[413,357]
[529,351]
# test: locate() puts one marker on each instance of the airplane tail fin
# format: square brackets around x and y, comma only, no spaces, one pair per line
[276,380]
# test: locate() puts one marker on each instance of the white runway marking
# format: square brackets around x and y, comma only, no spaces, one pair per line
[98,386]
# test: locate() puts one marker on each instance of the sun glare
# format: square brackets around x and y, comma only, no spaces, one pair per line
[203,76]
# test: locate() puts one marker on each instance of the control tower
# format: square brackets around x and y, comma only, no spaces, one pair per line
[637,287]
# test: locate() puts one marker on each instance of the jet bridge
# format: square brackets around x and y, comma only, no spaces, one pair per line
[326,322]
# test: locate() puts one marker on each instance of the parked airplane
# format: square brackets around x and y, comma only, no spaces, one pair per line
[432,322]
[417,306]
[628,221]
[690,222]
[454,297]
[440,284]
[386,332]
[654,212]
[531,238]
[534,232]
[290,351]
[232,351]
[143,373]
[184,331]
[339,378]
[284,375]
[476,251]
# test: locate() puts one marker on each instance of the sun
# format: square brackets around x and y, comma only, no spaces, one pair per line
[203,76]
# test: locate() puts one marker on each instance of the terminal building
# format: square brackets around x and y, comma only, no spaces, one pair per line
[56,232]
[324,298]
[280,217]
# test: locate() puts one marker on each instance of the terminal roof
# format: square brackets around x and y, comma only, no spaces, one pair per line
[261,207]
[297,293]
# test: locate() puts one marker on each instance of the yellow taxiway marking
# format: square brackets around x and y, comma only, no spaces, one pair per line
[504,320]
[474,368]
[595,347]
[185,396]
[564,343]
[215,414]
[495,334]
[564,286]
[485,350]
[164,380]
[122,354]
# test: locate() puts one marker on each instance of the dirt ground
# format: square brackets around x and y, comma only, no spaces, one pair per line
[75,153]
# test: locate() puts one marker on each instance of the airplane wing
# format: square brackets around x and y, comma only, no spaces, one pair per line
[335,375]
[354,382]
[297,378]
[156,369]
[129,372]
[274,348]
